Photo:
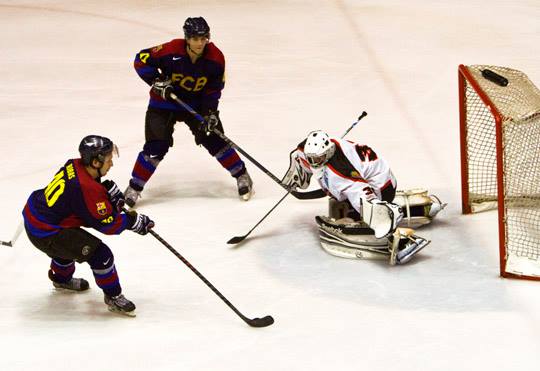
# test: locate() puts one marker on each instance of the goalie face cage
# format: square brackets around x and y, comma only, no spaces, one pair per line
[500,161]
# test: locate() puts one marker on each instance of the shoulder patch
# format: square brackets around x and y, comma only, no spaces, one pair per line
[342,165]
[101,208]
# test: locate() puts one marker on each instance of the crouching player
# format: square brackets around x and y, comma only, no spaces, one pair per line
[76,198]
[365,207]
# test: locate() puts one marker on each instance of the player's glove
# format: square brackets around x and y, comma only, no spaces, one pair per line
[211,122]
[141,223]
[116,197]
[163,86]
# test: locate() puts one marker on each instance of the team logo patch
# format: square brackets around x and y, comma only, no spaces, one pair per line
[157,48]
[355,174]
[101,208]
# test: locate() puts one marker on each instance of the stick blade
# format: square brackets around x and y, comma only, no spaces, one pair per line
[6,243]
[261,322]
[236,239]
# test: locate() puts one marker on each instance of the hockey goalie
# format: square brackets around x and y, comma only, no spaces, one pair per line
[368,217]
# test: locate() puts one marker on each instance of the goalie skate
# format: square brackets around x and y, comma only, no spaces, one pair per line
[405,244]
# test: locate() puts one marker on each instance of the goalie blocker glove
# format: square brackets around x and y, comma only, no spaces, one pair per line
[381,216]
[163,87]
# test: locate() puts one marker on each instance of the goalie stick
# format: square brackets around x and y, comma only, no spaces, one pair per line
[319,193]
[296,194]
[253,322]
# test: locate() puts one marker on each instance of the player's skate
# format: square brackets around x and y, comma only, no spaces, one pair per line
[404,245]
[119,304]
[132,196]
[245,186]
[74,284]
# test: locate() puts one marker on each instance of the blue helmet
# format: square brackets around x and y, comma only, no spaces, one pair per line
[196,26]
[95,147]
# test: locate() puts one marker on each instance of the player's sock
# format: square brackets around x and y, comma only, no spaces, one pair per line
[142,171]
[229,159]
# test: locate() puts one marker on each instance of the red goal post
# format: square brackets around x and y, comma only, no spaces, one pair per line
[500,160]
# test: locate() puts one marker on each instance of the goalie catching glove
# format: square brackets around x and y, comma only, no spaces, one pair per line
[296,176]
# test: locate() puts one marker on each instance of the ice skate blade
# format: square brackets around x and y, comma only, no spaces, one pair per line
[415,249]
[63,290]
[247,196]
[128,314]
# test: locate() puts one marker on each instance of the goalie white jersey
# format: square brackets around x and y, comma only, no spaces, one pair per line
[354,172]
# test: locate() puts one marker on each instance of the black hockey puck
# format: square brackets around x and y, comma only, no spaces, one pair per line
[494,77]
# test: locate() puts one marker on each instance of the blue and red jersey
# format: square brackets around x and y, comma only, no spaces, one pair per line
[72,199]
[198,84]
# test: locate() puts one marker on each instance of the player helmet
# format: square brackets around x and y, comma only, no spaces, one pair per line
[96,147]
[196,26]
[318,148]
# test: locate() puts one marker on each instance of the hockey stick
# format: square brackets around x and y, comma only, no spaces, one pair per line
[317,193]
[238,239]
[253,322]
[298,195]
[15,236]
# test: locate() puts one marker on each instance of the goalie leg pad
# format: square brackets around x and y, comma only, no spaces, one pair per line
[419,208]
[349,239]
[355,240]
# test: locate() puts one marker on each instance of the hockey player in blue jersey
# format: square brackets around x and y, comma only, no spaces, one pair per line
[193,69]
[75,198]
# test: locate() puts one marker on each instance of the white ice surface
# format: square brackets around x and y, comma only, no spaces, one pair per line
[292,66]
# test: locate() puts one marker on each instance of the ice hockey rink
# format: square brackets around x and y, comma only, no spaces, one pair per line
[292,67]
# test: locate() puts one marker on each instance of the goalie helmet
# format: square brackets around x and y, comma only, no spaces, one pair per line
[318,148]
[196,26]
[96,147]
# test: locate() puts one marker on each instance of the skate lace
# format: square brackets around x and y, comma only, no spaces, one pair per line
[244,181]
[120,300]
[75,283]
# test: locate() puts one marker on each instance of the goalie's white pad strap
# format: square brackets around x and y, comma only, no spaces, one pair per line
[381,216]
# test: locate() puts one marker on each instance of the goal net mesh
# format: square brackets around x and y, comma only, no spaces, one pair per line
[518,105]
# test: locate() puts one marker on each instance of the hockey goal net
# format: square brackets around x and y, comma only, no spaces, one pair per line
[500,160]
